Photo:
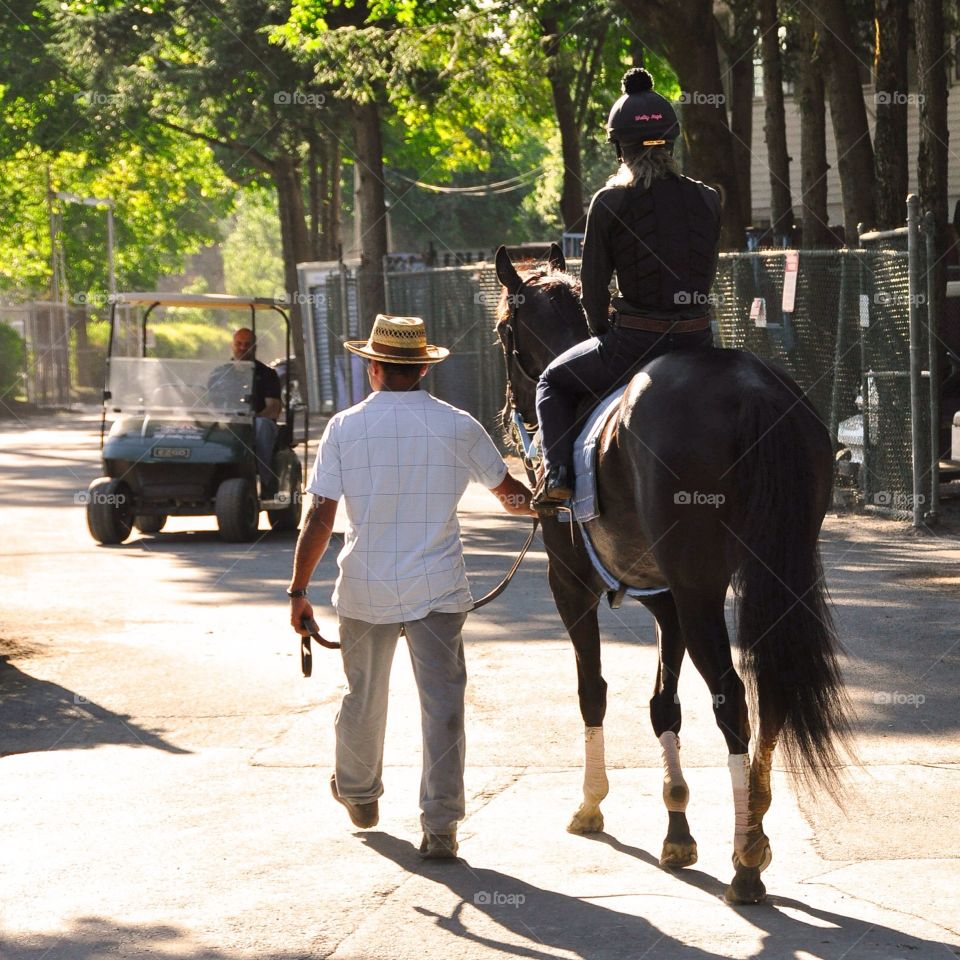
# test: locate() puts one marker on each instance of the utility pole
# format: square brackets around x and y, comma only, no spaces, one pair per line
[54,276]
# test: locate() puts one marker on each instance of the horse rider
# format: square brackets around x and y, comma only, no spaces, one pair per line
[660,232]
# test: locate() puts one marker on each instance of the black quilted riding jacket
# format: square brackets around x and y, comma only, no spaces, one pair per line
[662,242]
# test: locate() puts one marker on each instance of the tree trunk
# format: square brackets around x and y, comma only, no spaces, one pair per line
[738,46]
[571,198]
[848,114]
[813,142]
[934,136]
[316,187]
[775,127]
[371,208]
[294,237]
[330,215]
[688,39]
[890,133]
[741,128]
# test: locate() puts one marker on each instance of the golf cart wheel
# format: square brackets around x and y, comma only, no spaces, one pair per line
[289,518]
[238,511]
[109,510]
[150,523]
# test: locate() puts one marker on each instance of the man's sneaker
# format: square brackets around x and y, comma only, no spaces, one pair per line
[439,846]
[362,815]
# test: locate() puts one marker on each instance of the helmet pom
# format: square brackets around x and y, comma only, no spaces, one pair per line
[637,80]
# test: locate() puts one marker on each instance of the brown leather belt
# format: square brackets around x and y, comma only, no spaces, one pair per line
[662,326]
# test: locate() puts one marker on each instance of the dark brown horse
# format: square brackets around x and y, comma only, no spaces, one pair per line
[714,470]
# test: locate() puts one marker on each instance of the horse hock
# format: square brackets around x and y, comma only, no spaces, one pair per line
[589,818]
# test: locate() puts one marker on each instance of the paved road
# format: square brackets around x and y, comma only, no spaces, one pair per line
[164,766]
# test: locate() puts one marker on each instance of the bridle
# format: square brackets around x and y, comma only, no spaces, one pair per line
[520,432]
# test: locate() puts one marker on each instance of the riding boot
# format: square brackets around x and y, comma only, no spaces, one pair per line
[555,488]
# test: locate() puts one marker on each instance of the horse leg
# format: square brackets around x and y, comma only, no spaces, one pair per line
[751,847]
[679,847]
[577,604]
[707,640]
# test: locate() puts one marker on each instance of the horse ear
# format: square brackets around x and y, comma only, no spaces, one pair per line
[506,271]
[556,258]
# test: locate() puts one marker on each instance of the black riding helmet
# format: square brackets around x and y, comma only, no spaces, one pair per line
[641,117]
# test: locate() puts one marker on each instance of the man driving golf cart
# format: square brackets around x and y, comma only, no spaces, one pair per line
[266,405]
[195,437]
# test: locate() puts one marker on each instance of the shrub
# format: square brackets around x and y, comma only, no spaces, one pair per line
[187,340]
[12,356]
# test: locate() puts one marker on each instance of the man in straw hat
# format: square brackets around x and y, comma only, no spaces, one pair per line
[401,460]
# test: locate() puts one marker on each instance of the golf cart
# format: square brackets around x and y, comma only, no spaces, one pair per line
[181,442]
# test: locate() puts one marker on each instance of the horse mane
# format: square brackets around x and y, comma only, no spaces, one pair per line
[542,279]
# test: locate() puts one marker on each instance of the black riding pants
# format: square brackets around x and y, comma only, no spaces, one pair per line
[595,368]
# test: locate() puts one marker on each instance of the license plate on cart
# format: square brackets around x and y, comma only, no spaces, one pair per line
[172,453]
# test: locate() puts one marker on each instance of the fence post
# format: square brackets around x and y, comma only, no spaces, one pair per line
[930,231]
[913,256]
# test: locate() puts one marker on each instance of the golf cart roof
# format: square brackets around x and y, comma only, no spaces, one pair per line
[218,301]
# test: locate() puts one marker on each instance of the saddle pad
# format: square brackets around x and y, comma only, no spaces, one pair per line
[585,506]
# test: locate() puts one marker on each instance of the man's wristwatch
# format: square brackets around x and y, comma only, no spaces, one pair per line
[297,594]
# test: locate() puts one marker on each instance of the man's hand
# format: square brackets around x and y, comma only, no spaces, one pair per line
[271,408]
[514,497]
[300,608]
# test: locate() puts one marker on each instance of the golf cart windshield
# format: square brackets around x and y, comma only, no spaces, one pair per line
[204,388]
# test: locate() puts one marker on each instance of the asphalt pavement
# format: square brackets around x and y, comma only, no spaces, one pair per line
[164,766]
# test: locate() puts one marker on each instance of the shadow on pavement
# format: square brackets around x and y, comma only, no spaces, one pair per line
[90,938]
[556,921]
[37,715]
[551,920]
[786,930]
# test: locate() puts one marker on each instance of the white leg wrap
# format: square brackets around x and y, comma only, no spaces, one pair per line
[739,766]
[675,792]
[595,783]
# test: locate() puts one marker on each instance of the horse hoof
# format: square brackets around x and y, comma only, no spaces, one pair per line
[586,821]
[764,861]
[746,887]
[677,854]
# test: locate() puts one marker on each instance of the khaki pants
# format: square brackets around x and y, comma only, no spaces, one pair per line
[436,653]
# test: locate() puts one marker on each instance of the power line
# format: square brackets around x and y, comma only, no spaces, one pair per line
[479,190]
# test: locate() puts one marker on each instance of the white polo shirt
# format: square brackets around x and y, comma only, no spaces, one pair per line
[402,460]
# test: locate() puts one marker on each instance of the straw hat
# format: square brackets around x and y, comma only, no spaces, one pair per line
[398,340]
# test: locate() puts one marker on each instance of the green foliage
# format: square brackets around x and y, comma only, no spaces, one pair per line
[187,340]
[12,356]
[251,248]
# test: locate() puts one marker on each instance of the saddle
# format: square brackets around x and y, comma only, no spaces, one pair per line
[586,505]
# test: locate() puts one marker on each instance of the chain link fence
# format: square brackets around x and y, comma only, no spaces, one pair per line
[845,339]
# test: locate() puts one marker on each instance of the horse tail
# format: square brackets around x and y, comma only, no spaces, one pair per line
[788,643]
